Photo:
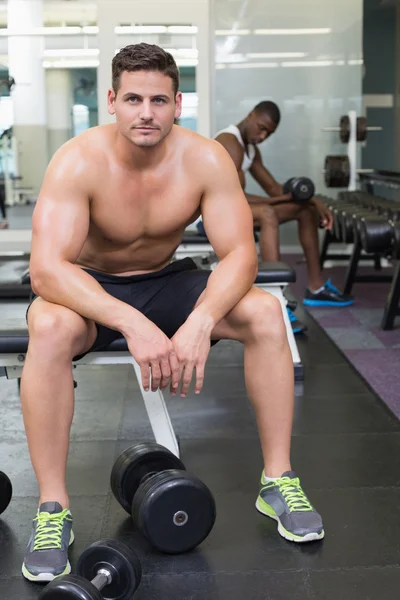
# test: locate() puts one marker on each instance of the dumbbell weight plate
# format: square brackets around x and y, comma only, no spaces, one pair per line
[361,129]
[70,587]
[5,492]
[134,464]
[302,189]
[337,171]
[345,129]
[119,560]
[346,222]
[396,233]
[287,186]
[175,511]
[376,235]
[344,133]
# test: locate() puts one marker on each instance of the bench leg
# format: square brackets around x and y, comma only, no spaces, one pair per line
[298,367]
[158,415]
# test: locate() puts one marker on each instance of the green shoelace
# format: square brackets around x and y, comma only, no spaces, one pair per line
[49,530]
[293,494]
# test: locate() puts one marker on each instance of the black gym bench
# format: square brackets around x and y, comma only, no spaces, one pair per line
[272,277]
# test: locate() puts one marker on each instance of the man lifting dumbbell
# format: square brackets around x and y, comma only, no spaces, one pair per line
[280,205]
[113,208]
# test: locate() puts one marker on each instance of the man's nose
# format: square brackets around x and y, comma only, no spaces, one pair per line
[146,112]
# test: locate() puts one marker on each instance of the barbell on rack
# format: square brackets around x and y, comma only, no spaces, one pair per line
[344,129]
[337,171]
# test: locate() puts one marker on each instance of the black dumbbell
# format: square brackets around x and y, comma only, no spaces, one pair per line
[5,492]
[301,188]
[106,570]
[173,509]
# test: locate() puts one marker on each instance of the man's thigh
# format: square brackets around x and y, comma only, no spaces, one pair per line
[284,212]
[290,211]
[176,299]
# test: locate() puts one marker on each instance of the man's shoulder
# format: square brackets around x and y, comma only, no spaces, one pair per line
[84,146]
[93,138]
[229,140]
[199,147]
[80,158]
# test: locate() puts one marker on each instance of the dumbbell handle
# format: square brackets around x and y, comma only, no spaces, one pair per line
[102,579]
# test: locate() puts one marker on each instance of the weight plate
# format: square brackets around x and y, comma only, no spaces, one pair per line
[376,235]
[361,129]
[175,511]
[5,492]
[287,186]
[346,228]
[346,220]
[134,464]
[119,560]
[396,233]
[302,189]
[344,133]
[70,587]
[337,171]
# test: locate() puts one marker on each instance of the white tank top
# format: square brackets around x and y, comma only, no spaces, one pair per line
[247,158]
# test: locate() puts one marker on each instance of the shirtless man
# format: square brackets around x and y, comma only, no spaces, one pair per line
[270,211]
[113,208]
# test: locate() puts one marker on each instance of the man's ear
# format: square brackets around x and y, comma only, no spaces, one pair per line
[111,96]
[178,105]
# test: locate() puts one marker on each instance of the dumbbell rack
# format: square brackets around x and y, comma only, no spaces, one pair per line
[355,129]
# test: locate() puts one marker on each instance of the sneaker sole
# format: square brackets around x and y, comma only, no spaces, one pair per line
[47,577]
[327,303]
[310,537]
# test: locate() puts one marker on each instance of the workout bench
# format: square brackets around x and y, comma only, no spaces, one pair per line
[272,277]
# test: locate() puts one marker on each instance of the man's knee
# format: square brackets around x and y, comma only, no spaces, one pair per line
[263,314]
[309,213]
[268,216]
[57,327]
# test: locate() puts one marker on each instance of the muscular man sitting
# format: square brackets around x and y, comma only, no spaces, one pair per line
[269,212]
[112,210]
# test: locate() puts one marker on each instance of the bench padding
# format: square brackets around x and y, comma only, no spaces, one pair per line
[275,272]
[15,341]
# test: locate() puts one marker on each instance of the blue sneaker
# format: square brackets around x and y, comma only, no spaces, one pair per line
[297,326]
[329,295]
[285,501]
[46,556]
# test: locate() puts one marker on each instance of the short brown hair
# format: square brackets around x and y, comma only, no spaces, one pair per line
[144,57]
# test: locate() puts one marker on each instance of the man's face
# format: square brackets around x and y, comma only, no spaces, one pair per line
[259,128]
[145,107]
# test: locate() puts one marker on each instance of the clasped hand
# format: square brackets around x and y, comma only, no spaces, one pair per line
[165,361]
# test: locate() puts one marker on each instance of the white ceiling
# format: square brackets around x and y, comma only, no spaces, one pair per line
[59,11]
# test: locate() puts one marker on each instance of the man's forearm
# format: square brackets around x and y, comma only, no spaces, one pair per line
[284,198]
[227,284]
[70,286]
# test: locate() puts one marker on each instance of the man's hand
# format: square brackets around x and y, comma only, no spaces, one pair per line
[191,344]
[326,217]
[154,353]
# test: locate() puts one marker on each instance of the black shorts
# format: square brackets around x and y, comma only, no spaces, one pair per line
[165,297]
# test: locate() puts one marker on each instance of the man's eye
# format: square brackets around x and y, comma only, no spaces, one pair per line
[159,100]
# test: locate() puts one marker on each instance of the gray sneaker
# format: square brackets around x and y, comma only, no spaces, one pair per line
[285,501]
[46,556]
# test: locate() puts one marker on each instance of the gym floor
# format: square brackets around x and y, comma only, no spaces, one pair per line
[346,446]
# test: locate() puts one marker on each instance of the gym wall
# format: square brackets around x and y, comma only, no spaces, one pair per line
[313,77]
[379,82]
